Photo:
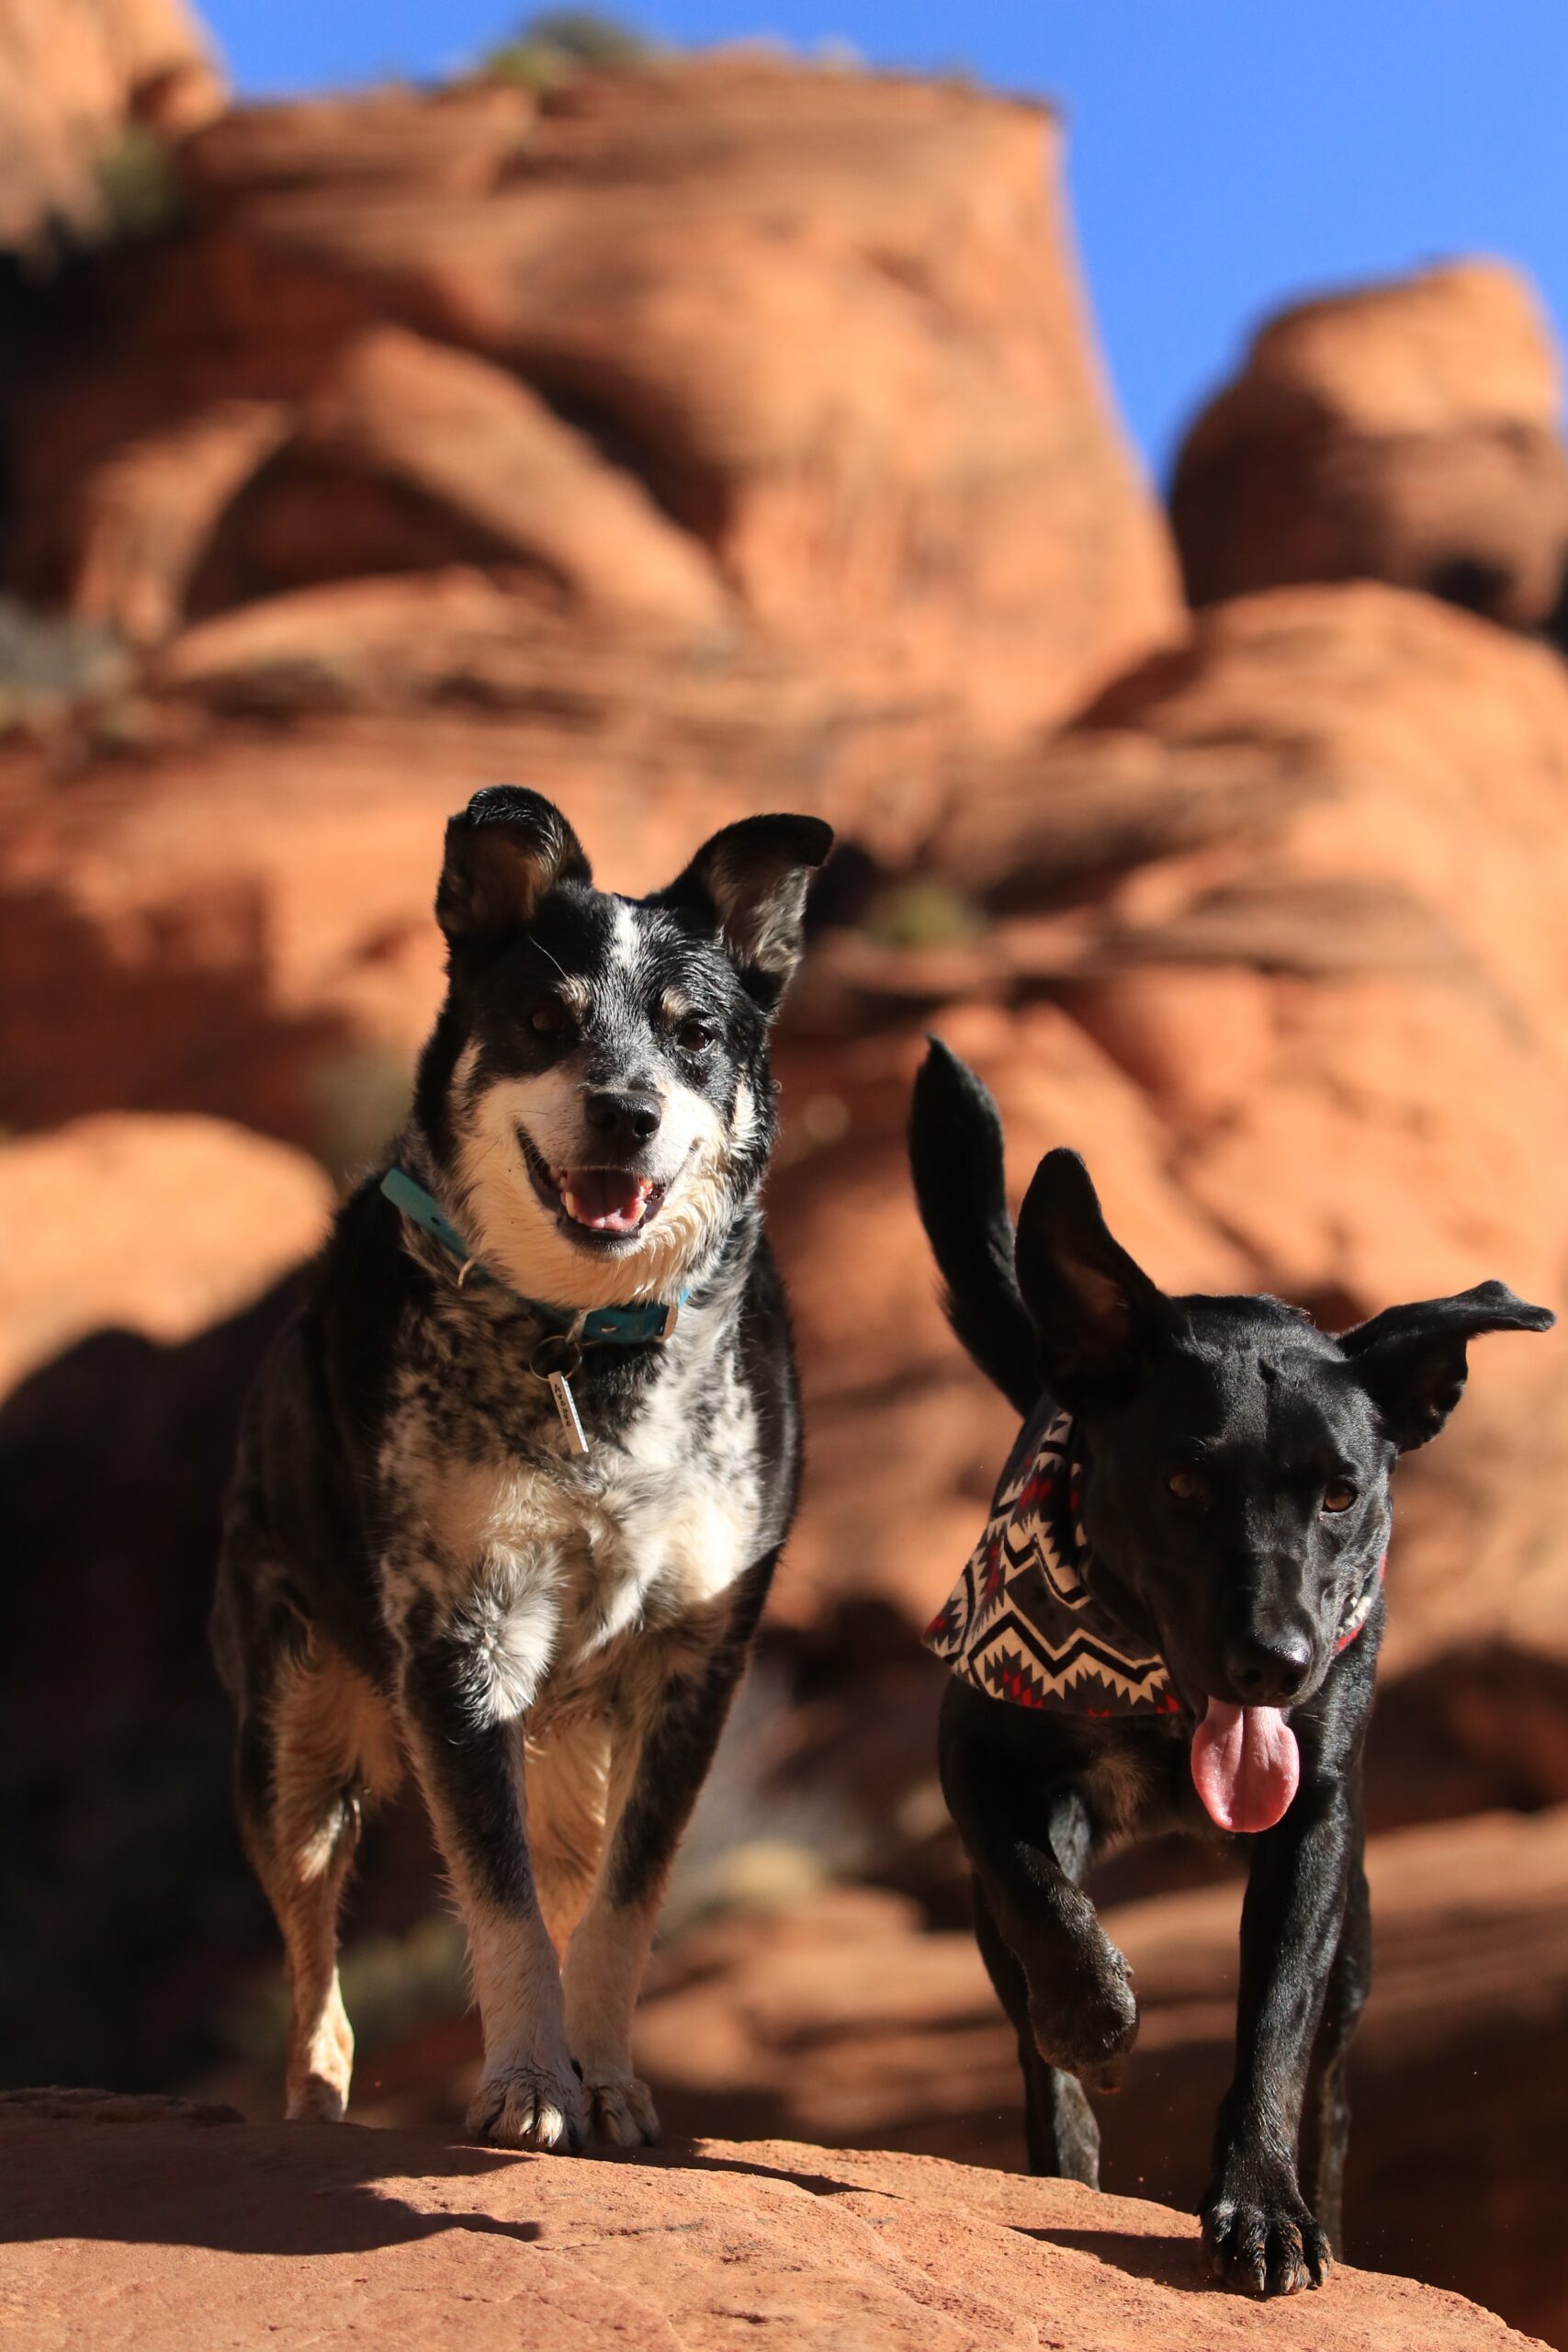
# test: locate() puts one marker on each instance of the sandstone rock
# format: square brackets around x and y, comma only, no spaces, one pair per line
[158,1226]
[822,329]
[458,141]
[466,434]
[147,516]
[353,2233]
[72,74]
[1408,432]
[407,455]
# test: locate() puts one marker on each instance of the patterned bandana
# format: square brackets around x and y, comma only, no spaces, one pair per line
[1020,1624]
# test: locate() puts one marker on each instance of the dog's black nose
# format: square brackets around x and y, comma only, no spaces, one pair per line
[623,1121]
[1268,1673]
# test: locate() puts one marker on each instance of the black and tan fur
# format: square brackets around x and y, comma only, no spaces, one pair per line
[413,1565]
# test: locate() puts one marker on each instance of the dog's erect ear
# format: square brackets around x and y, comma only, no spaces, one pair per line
[506,849]
[1097,1313]
[753,878]
[1411,1360]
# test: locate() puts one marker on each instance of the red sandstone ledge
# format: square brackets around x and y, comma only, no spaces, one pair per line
[185,2227]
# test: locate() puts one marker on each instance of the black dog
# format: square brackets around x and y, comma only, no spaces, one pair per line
[1172,1621]
[512,1487]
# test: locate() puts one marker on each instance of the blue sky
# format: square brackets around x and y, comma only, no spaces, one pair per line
[1224,155]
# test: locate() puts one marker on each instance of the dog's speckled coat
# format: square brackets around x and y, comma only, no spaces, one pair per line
[414,1563]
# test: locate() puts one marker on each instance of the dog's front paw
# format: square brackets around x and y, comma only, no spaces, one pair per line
[530,2106]
[1085,2022]
[620,2108]
[1265,2242]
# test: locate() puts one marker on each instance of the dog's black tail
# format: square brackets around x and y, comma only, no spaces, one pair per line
[955,1152]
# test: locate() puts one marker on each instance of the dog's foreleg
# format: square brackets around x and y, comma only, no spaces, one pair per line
[1260,2233]
[661,1752]
[1031,1842]
[1326,2120]
[1061,2132]
[463,1730]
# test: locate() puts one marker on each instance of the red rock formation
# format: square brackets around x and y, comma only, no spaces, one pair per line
[183,2226]
[72,74]
[813,343]
[157,1225]
[1409,431]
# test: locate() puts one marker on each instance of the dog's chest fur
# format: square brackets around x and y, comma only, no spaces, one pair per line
[544,1562]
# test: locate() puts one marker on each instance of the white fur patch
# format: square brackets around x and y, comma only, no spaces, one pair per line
[510,1621]
[521,1236]
[627,947]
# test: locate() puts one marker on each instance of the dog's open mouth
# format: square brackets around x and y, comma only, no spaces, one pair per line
[611,1203]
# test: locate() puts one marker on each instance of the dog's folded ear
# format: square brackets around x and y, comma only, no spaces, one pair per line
[1411,1360]
[753,879]
[503,852]
[1097,1315]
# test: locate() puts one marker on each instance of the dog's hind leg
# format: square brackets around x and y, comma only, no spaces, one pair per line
[1327,2116]
[301,1767]
[1060,2129]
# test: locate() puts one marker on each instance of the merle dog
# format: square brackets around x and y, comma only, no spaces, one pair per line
[511,1489]
[1172,1622]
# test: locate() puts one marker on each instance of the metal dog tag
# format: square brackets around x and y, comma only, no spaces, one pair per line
[566,1407]
[554,1361]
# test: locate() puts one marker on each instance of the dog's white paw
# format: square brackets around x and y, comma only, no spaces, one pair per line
[622,2109]
[539,2107]
[320,2073]
[315,2100]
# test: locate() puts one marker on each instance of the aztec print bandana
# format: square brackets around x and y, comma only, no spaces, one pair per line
[1020,1624]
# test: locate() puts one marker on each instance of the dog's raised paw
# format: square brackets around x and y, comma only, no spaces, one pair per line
[622,2110]
[530,2107]
[1271,2247]
[1086,2025]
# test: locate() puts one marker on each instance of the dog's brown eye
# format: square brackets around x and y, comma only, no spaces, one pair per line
[1339,1496]
[547,1019]
[693,1036]
[1186,1486]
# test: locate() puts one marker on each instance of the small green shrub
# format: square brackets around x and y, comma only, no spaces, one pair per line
[360,1098]
[920,912]
[137,189]
[557,43]
[53,666]
[391,1986]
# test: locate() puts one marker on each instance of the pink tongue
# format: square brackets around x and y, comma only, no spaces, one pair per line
[607,1198]
[1245,1765]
